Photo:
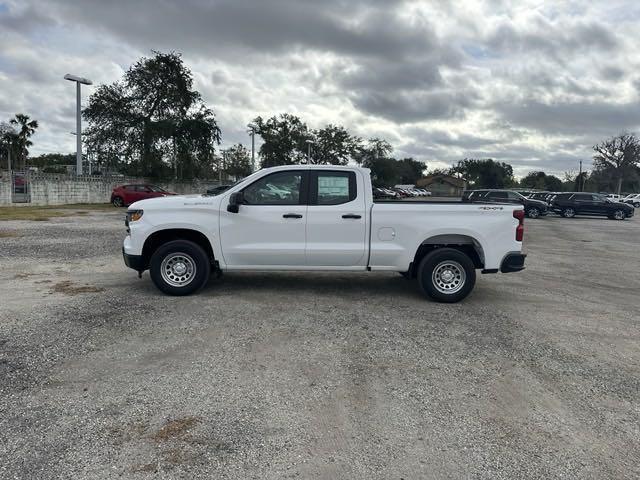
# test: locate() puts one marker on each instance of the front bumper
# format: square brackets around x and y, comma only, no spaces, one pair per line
[134,261]
[514,262]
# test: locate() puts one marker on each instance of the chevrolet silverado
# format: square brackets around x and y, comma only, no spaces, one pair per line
[313,217]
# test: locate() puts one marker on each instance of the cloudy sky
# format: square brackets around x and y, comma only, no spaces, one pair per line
[532,83]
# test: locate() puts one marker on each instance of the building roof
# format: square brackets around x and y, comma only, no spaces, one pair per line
[455,181]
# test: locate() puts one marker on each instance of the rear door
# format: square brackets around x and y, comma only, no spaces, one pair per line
[336,219]
[583,203]
[599,205]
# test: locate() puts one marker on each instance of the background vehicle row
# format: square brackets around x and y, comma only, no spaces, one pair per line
[533,208]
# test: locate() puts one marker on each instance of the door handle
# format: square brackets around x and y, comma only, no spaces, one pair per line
[291,215]
[351,215]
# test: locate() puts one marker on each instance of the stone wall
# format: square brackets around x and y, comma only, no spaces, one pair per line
[58,189]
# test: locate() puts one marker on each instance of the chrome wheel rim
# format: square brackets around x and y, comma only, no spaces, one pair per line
[619,214]
[448,277]
[533,213]
[569,213]
[178,269]
[117,202]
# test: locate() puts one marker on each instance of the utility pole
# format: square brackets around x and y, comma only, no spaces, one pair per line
[221,166]
[309,143]
[252,132]
[580,178]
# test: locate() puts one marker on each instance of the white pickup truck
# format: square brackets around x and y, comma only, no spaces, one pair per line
[312,217]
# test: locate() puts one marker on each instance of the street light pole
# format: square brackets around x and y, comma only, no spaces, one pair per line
[79,81]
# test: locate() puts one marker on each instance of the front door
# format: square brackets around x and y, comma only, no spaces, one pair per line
[269,228]
[336,219]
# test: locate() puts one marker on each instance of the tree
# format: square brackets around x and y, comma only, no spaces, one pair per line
[154,119]
[618,155]
[541,181]
[375,148]
[238,161]
[410,170]
[334,145]
[7,140]
[384,171]
[485,173]
[284,140]
[440,171]
[20,141]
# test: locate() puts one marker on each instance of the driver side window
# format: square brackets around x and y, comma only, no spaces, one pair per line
[282,188]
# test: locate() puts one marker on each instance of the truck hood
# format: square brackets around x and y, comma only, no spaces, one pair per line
[171,201]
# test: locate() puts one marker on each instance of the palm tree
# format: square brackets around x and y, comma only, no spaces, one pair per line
[26,127]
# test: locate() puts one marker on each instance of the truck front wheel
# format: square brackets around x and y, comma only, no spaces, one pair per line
[179,267]
[446,275]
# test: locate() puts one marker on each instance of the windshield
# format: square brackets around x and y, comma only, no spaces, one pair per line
[154,188]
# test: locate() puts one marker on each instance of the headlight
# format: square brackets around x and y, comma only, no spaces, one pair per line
[134,215]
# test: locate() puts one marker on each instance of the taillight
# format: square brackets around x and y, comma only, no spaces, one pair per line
[519,214]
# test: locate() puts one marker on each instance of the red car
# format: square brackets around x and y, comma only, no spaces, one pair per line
[125,195]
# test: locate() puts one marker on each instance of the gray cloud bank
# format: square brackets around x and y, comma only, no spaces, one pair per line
[532,85]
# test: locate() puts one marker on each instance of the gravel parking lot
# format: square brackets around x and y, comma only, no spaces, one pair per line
[270,376]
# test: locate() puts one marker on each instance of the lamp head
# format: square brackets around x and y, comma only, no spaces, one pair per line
[75,78]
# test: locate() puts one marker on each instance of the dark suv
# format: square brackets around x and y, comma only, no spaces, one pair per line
[533,208]
[571,204]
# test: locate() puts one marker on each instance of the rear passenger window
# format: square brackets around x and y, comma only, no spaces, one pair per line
[333,188]
[582,198]
[498,195]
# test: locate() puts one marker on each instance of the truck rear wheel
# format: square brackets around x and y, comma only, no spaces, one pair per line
[446,275]
[179,267]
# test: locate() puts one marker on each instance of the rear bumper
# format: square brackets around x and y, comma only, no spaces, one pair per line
[513,262]
[134,261]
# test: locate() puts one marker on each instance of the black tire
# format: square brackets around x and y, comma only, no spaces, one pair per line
[117,202]
[568,212]
[533,212]
[406,274]
[437,260]
[636,205]
[169,257]
[618,215]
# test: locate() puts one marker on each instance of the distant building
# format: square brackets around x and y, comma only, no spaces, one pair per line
[443,185]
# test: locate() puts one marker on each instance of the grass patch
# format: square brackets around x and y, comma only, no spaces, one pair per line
[42,214]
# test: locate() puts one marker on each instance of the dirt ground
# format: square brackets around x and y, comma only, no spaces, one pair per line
[318,375]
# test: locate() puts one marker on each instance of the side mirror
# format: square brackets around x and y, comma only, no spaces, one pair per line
[235,200]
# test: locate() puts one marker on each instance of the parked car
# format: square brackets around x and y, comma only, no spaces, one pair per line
[533,208]
[322,227]
[571,204]
[218,190]
[424,192]
[632,199]
[382,193]
[542,196]
[465,195]
[125,195]
[614,197]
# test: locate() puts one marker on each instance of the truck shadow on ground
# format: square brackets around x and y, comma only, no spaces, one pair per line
[348,285]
